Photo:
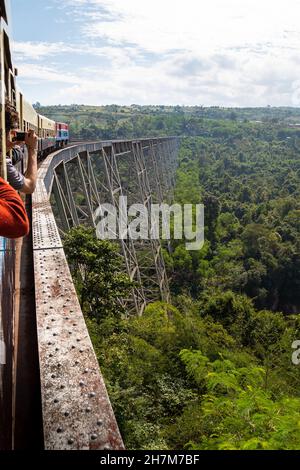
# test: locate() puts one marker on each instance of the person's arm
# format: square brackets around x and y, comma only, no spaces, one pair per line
[14,222]
[14,176]
[24,183]
[30,178]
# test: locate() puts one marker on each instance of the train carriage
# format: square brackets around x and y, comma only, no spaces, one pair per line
[27,114]
[47,134]
[62,134]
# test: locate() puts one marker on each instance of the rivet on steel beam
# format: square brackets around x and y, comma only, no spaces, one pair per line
[94,437]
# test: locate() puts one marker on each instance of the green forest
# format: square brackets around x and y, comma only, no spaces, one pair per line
[213,369]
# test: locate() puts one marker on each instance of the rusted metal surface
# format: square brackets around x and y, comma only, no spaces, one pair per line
[77,413]
[7,260]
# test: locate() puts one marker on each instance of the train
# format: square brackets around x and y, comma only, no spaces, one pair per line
[51,135]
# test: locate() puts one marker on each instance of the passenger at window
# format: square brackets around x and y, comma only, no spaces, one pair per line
[24,183]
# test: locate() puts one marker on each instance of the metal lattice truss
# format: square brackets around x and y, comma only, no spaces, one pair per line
[144,172]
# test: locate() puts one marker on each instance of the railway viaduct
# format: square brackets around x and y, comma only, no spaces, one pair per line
[52,394]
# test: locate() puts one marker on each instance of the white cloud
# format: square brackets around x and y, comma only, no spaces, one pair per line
[34,73]
[192,24]
[39,50]
[221,52]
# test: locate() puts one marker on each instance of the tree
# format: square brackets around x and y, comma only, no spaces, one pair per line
[97,271]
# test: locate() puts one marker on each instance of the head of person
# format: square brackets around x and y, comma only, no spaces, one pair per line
[11,118]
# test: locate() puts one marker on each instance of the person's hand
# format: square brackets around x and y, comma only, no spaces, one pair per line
[31,140]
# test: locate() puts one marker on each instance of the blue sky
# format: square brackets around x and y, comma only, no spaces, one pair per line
[192,52]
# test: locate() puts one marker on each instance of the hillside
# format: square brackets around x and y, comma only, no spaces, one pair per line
[117,122]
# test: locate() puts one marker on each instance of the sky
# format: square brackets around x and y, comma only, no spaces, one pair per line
[171,52]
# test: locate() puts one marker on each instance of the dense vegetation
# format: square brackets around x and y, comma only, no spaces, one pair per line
[213,370]
[118,122]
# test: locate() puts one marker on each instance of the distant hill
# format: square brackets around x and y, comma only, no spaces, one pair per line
[113,121]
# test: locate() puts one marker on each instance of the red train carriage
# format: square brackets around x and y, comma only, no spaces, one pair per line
[62,134]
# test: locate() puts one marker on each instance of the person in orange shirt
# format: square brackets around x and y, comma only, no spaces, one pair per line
[14,222]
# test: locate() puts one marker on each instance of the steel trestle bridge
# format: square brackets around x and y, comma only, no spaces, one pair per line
[52,394]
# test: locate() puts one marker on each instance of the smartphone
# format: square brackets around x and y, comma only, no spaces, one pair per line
[19,137]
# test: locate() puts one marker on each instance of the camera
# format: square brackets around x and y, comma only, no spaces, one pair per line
[19,137]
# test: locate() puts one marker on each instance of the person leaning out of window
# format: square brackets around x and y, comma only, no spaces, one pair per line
[24,183]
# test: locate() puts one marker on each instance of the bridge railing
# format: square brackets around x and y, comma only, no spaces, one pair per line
[76,410]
